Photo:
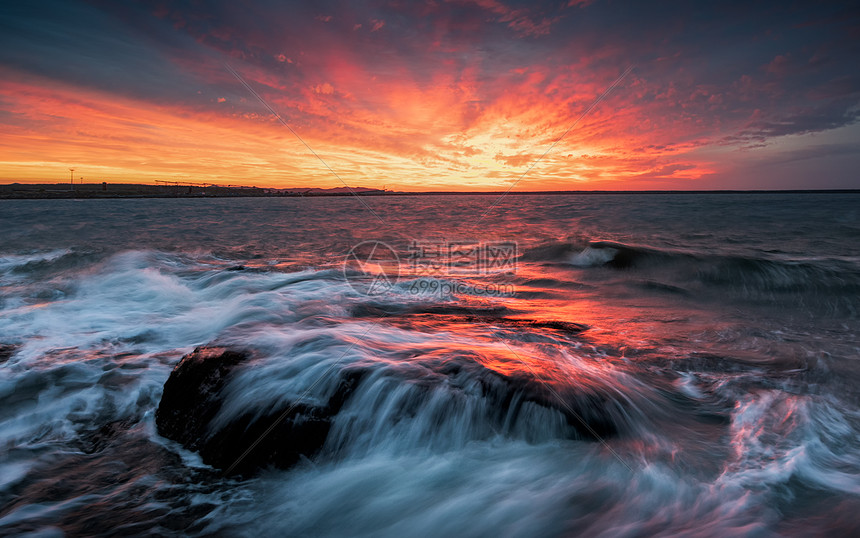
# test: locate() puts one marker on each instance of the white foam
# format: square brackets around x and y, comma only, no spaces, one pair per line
[593,257]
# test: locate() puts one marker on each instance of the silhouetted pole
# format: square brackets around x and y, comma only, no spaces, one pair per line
[72,178]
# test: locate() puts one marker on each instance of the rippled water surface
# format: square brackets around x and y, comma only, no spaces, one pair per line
[687,364]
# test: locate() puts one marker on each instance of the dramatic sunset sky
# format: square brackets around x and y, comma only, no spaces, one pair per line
[434,95]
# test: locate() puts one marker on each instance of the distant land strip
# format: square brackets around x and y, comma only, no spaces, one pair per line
[19,191]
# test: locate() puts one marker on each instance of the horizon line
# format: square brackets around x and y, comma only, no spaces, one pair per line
[369,191]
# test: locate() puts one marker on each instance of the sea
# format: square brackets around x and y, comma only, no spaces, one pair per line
[698,357]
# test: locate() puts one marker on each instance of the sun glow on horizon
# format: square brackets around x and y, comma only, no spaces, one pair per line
[129,141]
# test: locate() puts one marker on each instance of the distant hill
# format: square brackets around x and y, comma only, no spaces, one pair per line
[334,190]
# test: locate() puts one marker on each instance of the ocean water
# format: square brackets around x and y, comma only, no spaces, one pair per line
[720,359]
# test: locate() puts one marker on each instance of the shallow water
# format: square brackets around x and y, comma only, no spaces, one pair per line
[720,356]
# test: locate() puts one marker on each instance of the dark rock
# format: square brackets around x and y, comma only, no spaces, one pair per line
[249,443]
[568,327]
[279,437]
[6,352]
[590,414]
[101,438]
[459,314]
[113,471]
[387,310]
[191,396]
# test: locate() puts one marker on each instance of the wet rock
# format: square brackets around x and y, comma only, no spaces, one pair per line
[6,352]
[589,413]
[191,396]
[458,314]
[98,439]
[134,474]
[568,327]
[280,437]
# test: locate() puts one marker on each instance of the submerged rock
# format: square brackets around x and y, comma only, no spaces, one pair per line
[496,316]
[6,352]
[428,392]
[589,413]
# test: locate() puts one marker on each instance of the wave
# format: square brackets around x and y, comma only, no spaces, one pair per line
[676,270]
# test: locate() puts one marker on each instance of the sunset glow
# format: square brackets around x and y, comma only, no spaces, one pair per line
[461,95]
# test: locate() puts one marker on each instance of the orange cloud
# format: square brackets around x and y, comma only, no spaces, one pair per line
[435,136]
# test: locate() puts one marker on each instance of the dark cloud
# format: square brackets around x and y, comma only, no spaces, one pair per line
[81,45]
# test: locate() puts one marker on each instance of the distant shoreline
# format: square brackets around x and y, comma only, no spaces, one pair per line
[53,191]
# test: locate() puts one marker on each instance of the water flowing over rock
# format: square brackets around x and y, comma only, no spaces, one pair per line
[279,437]
[458,393]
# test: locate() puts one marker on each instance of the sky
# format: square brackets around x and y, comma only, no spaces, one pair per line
[482,95]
